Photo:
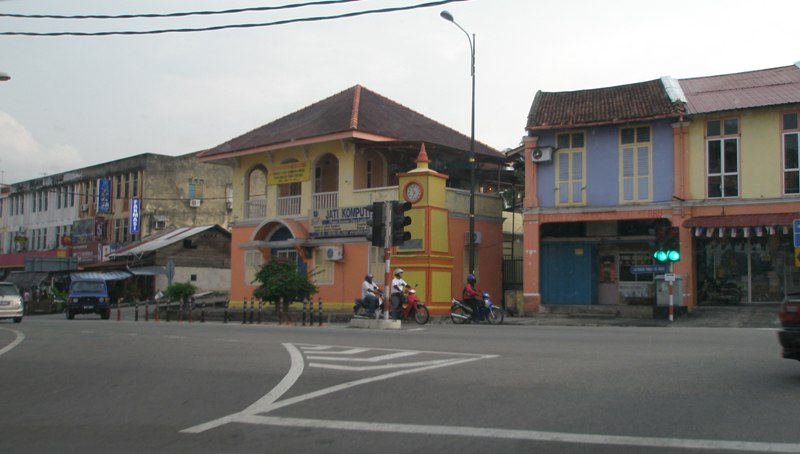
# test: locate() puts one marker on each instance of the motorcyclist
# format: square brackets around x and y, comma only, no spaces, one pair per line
[473,297]
[398,292]
[370,293]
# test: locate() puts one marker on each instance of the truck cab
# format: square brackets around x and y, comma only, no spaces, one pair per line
[88,296]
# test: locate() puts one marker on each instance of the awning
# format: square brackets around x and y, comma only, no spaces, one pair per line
[742,220]
[149,270]
[26,279]
[104,275]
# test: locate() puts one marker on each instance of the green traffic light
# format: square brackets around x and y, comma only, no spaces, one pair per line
[661,256]
[673,255]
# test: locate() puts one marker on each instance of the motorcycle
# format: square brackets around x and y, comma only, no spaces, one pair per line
[413,309]
[461,313]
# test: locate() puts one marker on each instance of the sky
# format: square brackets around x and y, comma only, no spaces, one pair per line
[77,101]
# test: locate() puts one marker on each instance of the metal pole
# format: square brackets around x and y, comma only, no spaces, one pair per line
[671,297]
[472,166]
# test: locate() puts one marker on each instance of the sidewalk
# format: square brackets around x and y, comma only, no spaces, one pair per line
[757,315]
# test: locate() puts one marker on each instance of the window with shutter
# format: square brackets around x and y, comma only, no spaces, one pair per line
[635,183]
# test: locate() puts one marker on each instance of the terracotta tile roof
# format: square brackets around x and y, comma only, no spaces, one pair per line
[356,109]
[766,87]
[610,105]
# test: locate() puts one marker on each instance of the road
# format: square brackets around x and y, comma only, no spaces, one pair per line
[90,385]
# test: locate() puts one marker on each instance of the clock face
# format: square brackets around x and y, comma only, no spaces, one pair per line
[413,192]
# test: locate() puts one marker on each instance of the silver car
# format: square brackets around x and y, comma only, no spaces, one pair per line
[10,302]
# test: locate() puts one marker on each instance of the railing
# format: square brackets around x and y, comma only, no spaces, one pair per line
[289,205]
[255,209]
[325,200]
[512,273]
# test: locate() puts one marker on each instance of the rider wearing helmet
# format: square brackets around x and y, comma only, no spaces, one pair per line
[472,297]
[370,293]
[398,292]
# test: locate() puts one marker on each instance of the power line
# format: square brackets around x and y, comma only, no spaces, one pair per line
[184,14]
[230,26]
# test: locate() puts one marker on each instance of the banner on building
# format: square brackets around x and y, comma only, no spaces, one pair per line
[339,222]
[291,172]
[104,196]
[134,224]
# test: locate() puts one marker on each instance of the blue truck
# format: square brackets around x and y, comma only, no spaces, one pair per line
[88,296]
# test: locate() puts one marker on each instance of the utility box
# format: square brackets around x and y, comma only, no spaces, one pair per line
[662,289]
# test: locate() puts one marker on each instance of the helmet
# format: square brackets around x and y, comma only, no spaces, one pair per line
[412,291]
[368,276]
[472,279]
[398,271]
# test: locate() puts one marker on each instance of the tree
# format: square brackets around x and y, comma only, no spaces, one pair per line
[181,291]
[280,281]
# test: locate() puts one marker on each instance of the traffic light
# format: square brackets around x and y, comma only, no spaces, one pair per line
[668,245]
[376,234]
[399,222]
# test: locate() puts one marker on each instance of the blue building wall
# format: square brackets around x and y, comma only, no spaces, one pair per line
[602,166]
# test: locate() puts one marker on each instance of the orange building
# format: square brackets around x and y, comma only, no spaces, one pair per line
[302,184]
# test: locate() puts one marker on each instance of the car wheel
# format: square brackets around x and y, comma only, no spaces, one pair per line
[70,315]
[17,319]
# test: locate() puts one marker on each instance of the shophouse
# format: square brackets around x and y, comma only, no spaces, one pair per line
[89,213]
[302,182]
[743,183]
[600,189]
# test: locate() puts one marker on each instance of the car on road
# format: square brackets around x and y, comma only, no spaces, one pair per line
[88,296]
[789,334]
[10,302]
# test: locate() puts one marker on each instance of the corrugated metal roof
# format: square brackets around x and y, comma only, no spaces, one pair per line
[166,239]
[766,87]
[633,102]
[104,275]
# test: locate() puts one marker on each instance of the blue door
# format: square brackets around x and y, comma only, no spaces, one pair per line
[569,273]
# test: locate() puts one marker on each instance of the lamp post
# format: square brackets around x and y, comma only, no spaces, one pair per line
[449,17]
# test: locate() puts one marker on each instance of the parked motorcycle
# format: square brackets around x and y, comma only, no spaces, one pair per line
[461,313]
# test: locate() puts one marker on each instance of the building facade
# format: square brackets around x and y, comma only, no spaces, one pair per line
[302,182]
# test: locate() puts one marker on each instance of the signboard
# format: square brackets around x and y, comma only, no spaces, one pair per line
[339,222]
[134,224]
[292,172]
[104,196]
[669,277]
[648,269]
[796,228]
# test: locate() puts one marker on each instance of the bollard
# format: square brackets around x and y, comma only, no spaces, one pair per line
[147,311]
[252,303]
[260,310]
[136,312]
[156,312]
[203,313]
[191,308]
[168,315]
[310,312]
[244,311]
[119,314]
[225,314]
[280,311]
[320,311]
[305,309]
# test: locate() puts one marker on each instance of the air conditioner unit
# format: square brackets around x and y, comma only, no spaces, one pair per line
[542,154]
[333,253]
[84,207]
[194,203]
[477,237]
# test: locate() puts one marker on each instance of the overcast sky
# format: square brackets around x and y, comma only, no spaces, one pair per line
[79,101]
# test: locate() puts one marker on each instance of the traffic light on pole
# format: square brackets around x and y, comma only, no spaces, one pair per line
[668,245]
[376,233]
[399,222]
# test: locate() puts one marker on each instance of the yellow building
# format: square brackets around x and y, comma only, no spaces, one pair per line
[302,182]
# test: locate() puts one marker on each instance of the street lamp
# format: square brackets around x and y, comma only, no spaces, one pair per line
[449,17]
[4,77]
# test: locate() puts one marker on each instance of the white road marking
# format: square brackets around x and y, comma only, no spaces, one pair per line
[381,366]
[269,402]
[373,359]
[17,340]
[528,435]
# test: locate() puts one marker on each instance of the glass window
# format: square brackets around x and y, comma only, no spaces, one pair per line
[722,159]
[571,170]
[791,160]
[635,168]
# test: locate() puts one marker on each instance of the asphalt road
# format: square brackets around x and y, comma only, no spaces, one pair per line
[90,385]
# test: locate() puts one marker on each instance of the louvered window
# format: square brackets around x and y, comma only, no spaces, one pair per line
[570,163]
[635,164]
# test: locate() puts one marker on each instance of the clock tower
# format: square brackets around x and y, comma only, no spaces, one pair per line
[426,258]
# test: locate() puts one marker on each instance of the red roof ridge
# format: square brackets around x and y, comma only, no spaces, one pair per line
[356,105]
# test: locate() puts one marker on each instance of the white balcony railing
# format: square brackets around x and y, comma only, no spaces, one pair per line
[255,209]
[325,200]
[289,205]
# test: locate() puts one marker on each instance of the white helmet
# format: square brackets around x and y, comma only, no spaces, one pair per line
[398,271]
[412,291]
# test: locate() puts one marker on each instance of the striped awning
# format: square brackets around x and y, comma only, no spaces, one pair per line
[104,275]
[742,220]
